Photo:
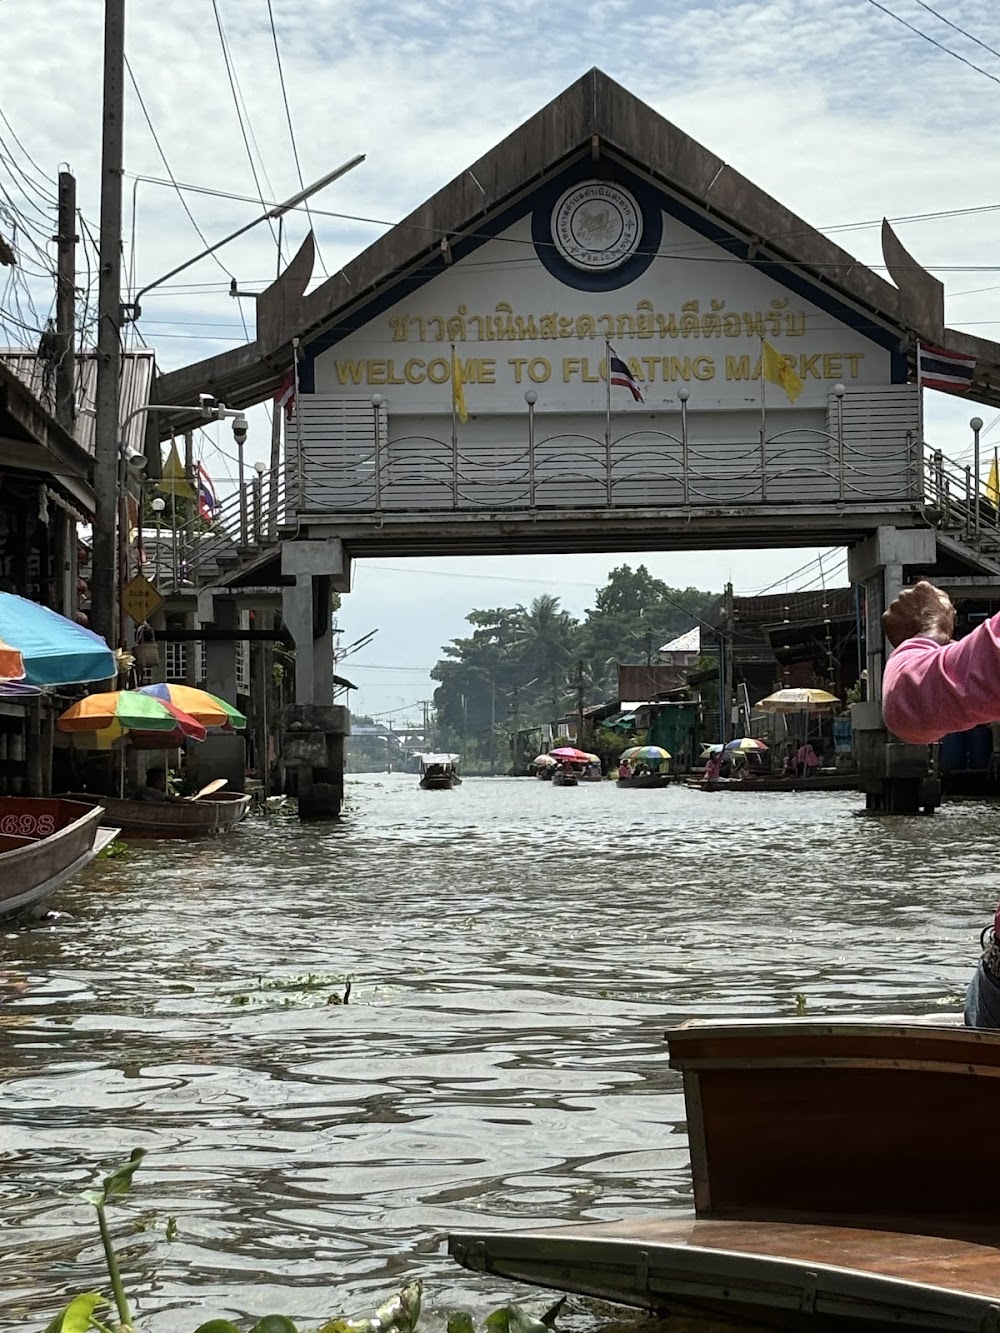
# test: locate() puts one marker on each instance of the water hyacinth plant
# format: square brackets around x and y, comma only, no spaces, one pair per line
[91,1310]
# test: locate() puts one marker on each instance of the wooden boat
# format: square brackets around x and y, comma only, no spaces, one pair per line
[43,842]
[647,780]
[171,819]
[565,777]
[842,1177]
[820,782]
[439,772]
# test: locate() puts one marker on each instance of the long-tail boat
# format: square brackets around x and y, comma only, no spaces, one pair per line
[842,1180]
[43,842]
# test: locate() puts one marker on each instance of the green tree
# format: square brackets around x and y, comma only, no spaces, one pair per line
[633,615]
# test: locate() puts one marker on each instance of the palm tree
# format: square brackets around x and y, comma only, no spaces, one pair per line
[546,637]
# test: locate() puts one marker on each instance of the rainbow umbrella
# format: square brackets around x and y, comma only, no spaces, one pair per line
[208,709]
[149,723]
[645,752]
[746,743]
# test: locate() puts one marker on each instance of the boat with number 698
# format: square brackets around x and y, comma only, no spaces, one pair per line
[44,841]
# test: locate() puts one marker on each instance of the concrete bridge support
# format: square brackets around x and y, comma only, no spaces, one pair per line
[897,778]
[314,728]
[221,754]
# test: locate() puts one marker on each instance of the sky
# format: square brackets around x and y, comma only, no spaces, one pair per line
[834,107]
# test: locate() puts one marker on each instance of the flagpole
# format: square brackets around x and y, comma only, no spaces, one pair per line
[607,417]
[763,424]
[300,462]
[454,432]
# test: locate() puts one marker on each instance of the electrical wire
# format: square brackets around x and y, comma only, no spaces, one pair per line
[934,42]
[675,252]
[291,131]
[972,38]
[169,171]
[246,130]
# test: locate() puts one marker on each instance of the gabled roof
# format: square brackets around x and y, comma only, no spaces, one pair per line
[593,117]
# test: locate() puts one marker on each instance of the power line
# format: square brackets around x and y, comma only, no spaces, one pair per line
[184,204]
[291,131]
[244,128]
[971,36]
[933,40]
[674,253]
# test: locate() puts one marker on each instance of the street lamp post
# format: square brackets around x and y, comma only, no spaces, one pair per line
[258,507]
[158,505]
[279,211]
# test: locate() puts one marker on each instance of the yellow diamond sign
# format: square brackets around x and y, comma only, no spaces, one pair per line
[140,598]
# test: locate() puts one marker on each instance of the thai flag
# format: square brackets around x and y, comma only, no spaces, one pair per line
[937,368]
[208,501]
[285,397]
[621,375]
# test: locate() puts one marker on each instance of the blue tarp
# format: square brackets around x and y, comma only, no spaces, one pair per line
[56,651]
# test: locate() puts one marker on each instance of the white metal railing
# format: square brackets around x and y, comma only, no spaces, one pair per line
[640,468]
[954,491]
[191,552]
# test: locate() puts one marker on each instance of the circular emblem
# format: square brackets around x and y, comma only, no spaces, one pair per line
[596,226]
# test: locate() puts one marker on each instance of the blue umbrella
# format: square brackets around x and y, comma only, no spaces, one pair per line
[56,651]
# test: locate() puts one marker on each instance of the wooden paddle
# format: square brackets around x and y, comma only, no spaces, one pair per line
[215,785]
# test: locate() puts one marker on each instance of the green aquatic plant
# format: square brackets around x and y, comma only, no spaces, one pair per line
[116,850]
[399,1314]
[308,991]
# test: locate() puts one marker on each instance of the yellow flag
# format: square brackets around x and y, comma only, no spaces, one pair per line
[458,388]
[776,370]
[993,484]
[174,480]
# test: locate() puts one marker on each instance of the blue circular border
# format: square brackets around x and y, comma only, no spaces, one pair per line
[580,279]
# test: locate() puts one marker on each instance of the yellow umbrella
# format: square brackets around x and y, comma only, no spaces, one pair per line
[799,701]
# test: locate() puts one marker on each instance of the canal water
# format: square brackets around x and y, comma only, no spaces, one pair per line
[516,952]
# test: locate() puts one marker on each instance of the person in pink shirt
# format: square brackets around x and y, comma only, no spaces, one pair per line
[806,759]
[934,685]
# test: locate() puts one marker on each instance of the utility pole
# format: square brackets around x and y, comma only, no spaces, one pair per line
[515,708]
[579,704]
[493,724]
[104,602]
[727,677]
[66,239]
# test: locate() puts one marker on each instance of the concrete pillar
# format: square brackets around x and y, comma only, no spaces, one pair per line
[220,658]
[897,778]
[312,743]
[297,613]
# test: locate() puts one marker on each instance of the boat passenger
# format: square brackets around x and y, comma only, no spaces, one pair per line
[713,768]
[154,789]
[624,770]
[788,769]
[806,760]
[934,685]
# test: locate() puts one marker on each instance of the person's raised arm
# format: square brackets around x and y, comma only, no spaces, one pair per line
[932,686]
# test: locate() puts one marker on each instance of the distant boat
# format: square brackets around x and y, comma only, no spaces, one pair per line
[43,842]
[170,819]
[565,777]
[838,1188]
[818,782]
[439,772]
[647,780]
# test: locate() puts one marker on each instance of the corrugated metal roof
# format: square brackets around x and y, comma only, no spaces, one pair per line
[138,369]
